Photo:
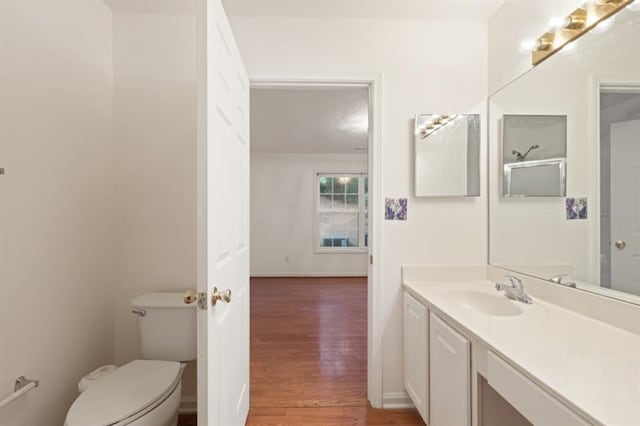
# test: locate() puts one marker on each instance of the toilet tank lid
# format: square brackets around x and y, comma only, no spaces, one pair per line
[161,300]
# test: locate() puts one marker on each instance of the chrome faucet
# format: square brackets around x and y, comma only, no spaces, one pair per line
[514,290]
[558,280]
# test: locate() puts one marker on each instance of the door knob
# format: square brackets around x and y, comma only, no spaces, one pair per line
[621,245]
[224,296]
[190,296]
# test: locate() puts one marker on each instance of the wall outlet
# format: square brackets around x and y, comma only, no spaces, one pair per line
[287,259]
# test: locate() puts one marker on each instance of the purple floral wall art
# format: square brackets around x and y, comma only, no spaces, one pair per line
[395,209]
[576,208]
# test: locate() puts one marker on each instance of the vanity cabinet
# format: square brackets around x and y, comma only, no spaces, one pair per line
[416,354]
[450,369]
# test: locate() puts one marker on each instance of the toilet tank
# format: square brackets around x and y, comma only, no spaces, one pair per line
[167,326]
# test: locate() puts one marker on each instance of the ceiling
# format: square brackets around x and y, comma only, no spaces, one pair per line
[608,100]
[477,10]
[156,7]
[309,119]
[473,10]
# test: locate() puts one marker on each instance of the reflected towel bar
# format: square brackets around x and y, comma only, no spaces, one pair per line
[22,386]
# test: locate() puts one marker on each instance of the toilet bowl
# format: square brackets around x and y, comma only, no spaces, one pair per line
[140,393]
[144,392]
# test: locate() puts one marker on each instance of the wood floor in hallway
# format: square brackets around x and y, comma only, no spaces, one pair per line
[309,355]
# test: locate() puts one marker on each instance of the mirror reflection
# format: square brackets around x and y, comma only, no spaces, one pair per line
[577,114]
[447,155]
[534,148]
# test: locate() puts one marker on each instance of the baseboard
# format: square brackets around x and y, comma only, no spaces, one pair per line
[307,274]
[395,400]
[188,405]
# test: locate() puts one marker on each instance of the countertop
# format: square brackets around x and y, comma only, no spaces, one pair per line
[590,365]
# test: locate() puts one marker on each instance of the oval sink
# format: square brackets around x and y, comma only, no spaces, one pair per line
[484,303]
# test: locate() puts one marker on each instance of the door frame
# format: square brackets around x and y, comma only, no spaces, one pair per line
[598,83]
[376,210]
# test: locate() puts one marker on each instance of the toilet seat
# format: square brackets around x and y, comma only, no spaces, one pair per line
[126,393]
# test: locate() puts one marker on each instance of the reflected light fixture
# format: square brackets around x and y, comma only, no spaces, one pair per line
[437,121]
[576,24]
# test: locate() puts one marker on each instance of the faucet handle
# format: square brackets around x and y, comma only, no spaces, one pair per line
[514,281]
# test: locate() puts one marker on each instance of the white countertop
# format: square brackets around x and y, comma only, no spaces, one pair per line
[590,365]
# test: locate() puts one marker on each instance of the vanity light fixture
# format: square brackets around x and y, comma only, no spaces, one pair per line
[576,24]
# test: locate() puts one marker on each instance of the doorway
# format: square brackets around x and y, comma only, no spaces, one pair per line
[619,188]
[343,176]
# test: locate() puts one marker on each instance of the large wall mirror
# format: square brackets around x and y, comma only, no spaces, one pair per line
[574,215]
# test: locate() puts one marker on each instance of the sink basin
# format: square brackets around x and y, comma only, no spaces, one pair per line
[488,304]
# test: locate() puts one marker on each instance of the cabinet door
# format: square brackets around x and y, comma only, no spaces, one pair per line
[450,371]
[416,354]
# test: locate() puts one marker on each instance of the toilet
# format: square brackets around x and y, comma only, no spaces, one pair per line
[144,392]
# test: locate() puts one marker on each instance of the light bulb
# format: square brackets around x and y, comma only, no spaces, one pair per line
[556,23]
[526,46]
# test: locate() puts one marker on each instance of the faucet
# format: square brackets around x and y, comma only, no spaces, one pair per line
[514,290]
[558,280]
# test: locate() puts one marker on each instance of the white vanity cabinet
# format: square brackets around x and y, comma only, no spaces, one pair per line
[416,354]
[437,367]
[465,366]
[450,370]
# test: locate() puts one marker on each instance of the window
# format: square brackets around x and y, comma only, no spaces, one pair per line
[342,202]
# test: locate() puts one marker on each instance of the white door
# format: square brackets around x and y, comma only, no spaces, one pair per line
[223,221]
[450,374]
[625,206]
[416,354]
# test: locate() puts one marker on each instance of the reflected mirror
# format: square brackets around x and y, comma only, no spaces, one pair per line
[534,148]
[447,155]
[576,114]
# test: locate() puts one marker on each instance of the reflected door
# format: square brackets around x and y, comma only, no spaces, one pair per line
[625,206]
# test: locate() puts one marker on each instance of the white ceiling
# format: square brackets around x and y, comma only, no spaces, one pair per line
[156,7]
[477,10]
[309,120]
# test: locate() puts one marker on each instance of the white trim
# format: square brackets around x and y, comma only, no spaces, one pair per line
[306,274]
[339,250]
[188,405]
[376,200]
[396,400]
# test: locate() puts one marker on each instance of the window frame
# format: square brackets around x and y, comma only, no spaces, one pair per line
[363,210]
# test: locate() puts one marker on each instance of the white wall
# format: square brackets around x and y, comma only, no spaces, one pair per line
[56,214]
[155,139]
[283,215]
[427,66]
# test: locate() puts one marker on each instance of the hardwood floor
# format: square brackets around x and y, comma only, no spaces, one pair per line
[309,355]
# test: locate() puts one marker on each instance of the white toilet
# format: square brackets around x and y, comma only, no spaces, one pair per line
[143,392]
